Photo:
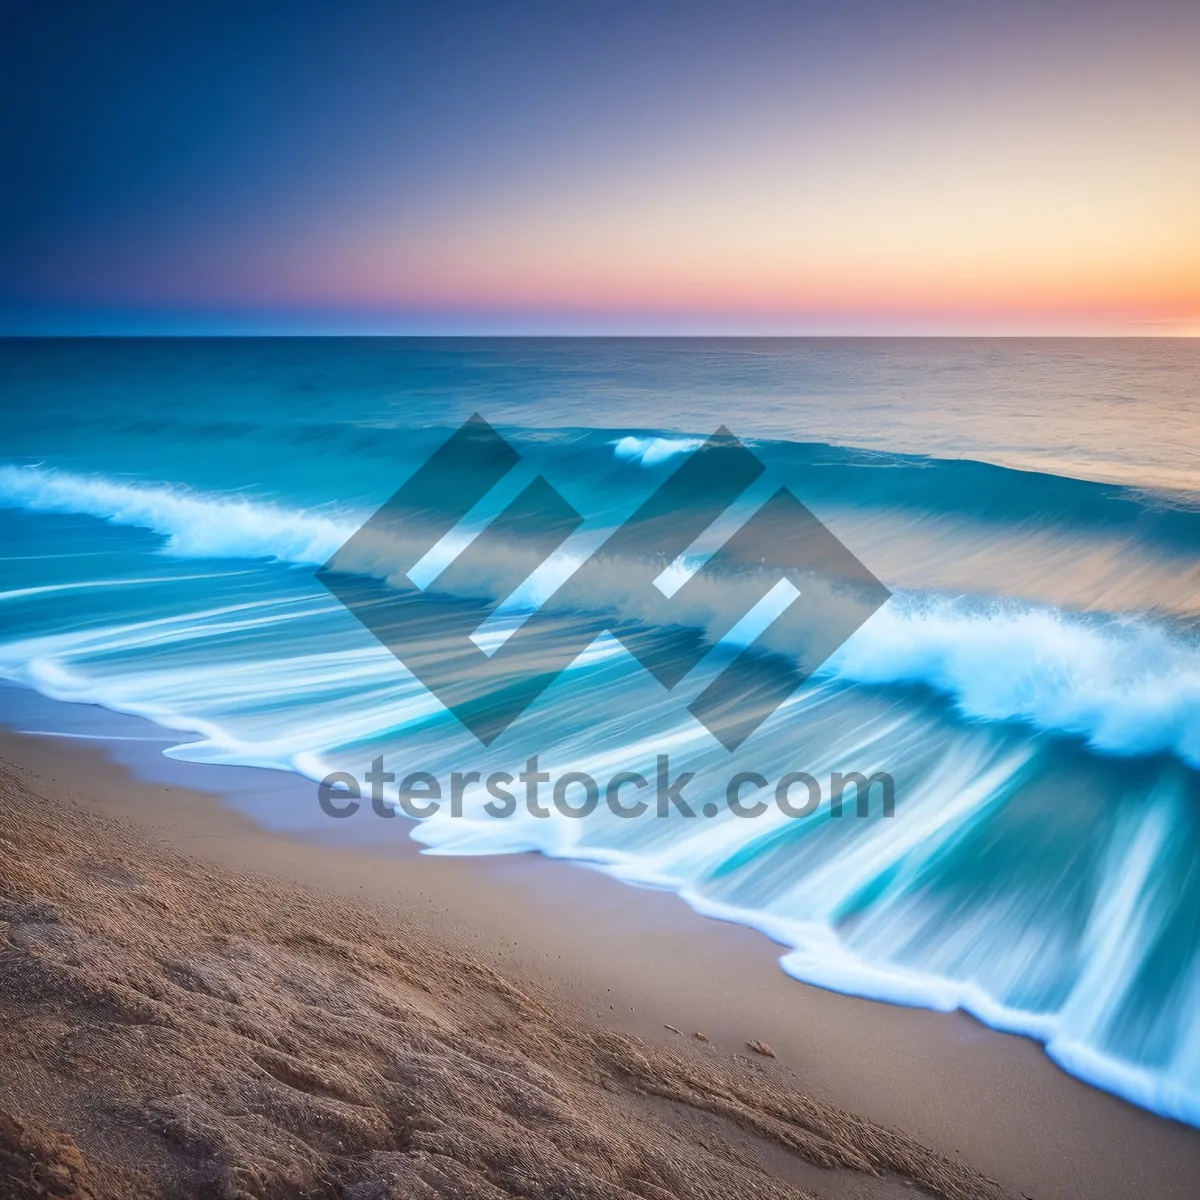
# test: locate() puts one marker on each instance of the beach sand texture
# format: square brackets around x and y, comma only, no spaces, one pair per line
[173,1027]
[193,1006]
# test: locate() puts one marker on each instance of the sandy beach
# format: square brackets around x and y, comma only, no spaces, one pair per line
[206,1007]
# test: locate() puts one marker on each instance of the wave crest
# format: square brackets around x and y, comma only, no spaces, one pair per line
[1124,684]
[194,525]
[650,451]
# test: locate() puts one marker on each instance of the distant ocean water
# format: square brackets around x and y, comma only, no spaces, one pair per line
[1033,685]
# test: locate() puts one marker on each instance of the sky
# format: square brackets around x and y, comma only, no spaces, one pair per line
[849,167]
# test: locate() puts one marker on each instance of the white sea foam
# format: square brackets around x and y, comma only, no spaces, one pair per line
[1126,685]
[195,525]
[650,451]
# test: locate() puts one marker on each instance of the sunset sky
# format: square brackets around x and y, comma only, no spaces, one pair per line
[846,167]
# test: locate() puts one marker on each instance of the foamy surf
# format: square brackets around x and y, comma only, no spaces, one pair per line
[1125,684]
[194,525]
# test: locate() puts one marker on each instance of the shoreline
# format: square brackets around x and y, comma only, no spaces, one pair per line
[172,1025]
[638,962]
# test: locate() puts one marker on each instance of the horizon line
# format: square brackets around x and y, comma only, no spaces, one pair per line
[131,335]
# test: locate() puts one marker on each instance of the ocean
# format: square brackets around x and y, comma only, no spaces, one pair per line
[1032,686]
